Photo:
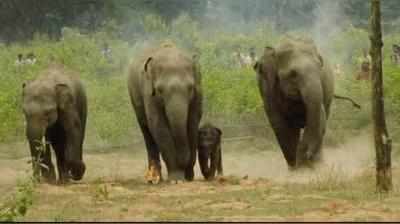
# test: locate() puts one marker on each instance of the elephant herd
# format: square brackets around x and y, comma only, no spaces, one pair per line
[164,85]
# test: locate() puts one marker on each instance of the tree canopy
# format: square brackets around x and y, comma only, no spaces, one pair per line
[21,19]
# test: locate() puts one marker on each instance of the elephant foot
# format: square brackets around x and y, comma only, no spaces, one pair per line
[292,168]
[176,176]
[310,161]
[210,178]
[153,174]
[305,164]
[77,170]
[176,181]
[63,181]
[189,174]
[49,175]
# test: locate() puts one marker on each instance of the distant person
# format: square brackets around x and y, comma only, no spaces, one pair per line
[338,72]
[20,60]
[30,59]
[395,54]
[365,68]
[106,52]
[253,56]
[246,61]
[242,60]
[238,58]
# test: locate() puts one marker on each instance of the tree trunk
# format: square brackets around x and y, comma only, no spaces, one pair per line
[383,143]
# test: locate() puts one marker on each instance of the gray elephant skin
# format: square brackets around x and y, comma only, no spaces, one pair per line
[55,108]
[165,89]
[297,88]
[209,151]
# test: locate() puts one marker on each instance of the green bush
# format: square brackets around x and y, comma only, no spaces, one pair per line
[17,206]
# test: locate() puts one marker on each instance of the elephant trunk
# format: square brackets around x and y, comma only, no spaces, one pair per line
[310,147]
[35,133]
[177,113]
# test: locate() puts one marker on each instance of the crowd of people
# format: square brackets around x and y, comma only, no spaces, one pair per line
[243,60]
[247,60]
[30,59]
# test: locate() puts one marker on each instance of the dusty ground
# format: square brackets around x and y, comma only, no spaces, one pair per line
[257,187]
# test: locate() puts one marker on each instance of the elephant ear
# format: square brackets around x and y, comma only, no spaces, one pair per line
[195,58]
[149,77]
[196,71]
[146,64]
[219,131]
[256,66]
[23,89]
[268,58]
[321,60]
[64,96]
[269,51]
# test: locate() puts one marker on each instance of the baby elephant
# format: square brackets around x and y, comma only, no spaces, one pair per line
[55,109]
[209,149]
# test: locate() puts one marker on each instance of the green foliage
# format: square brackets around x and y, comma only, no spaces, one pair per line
[348,45]
[229,91]
[18,205]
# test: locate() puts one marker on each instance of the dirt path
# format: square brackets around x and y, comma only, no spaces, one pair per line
[257,187]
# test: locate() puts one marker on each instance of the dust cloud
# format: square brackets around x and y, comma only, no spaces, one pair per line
[346,161]
[241,158]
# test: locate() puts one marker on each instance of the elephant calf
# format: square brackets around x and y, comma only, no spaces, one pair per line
[209,151]
[55,108]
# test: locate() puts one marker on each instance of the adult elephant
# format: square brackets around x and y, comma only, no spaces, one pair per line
[297,88]
[165,90]
[55,108]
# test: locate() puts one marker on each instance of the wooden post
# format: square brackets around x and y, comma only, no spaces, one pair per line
[383,143]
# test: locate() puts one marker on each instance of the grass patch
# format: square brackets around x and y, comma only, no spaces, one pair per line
[17,206]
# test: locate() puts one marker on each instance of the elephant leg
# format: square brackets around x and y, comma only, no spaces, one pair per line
[204,164]
[288,139]
[153,154]
[316,156]
[213,164]
[160,131]
[57,139]
[63,176]
[220,169]
[72,127]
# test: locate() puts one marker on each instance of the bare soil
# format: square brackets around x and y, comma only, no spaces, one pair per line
[257,186]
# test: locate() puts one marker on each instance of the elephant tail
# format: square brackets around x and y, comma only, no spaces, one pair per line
[348,99]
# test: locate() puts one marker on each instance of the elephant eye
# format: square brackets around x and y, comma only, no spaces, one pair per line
[160,90]
[49,112]
[293,74]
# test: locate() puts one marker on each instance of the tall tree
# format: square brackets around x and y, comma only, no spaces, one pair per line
[383,143]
